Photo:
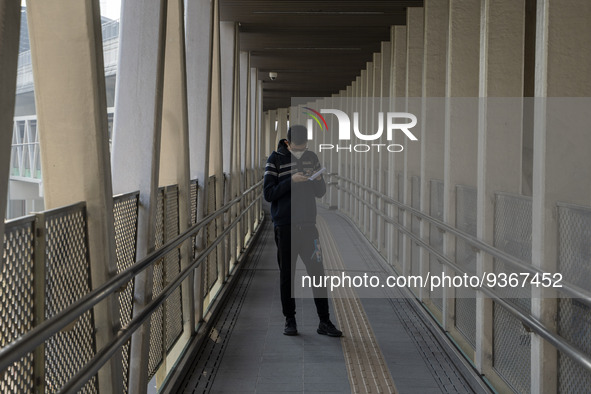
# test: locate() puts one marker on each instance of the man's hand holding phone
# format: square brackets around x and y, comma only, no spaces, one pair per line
[299,177]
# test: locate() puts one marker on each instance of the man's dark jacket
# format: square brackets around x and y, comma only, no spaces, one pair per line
[292,202]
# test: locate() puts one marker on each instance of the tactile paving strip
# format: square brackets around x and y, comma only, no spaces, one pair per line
[368,372]
[449,378]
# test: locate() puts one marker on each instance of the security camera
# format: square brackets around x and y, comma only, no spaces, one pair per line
[273,75]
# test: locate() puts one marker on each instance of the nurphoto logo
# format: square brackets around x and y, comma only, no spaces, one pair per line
[402,121]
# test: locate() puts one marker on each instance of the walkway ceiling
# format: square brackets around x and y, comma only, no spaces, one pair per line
[316,47]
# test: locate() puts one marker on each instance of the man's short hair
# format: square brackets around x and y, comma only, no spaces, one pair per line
[297,134]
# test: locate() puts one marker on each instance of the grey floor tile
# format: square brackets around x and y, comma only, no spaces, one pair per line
[327,387]
[280,387]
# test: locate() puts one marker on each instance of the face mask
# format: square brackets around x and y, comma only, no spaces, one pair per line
[298,154]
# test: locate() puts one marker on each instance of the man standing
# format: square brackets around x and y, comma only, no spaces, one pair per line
[293,209]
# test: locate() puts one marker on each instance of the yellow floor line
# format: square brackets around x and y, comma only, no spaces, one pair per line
[367,369]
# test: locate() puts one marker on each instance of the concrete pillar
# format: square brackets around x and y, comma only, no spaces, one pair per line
[412,149]
[396,160]
[198,22]
[360,107]
[461,121]
[74,114]
[500,121]
[10,19]
[174,151]
[266,137]
[236,157]
[281,125]
[273,140]
[258,146]
[228,49]
[433,113]
[365,158]
[228,39]
[383,157]
[561,152]
[216,141]
[248,146]
[373,155]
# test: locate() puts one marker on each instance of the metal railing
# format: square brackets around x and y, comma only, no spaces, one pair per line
[25,360]
[574,349]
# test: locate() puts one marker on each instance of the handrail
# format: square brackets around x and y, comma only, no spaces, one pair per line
[527,319]
[29,341]
[567,288]
[103,355]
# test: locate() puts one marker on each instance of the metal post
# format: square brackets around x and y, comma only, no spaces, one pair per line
[10,21]
[39,299]
[499,164]
[433,113]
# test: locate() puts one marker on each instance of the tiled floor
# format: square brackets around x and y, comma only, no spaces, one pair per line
[249,352]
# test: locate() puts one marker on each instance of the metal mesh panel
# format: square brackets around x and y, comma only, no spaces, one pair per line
[401,189]
[511,350]
[16,301]
[574,317]
[466,258]
[382,229]
[436,239]
[511,341]
[67,279]
[347,196]
[374,202]
[125,210]
[194,191]
[173,312]
[156,320]
[211,271]
[415,201]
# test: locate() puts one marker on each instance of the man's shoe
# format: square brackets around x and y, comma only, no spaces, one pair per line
[291,328]
[327,328]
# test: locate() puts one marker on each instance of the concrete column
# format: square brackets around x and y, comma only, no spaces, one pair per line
[397,103]
[365,123]
[266,137]
[216,141]
[174,152]
[253,118]
[228,49]
[502,27]
[281,125]
[258,146]
[561,152]
[373,155]
[461,121]
[433,112]
[273,140]
[228,39]
[215,116]
[236,157]
[361,107]
[198,47]
[335,160]
[248,146]
[412,149]
[383,156]
[243,69]
[73,114]
[10,20]
[198,15]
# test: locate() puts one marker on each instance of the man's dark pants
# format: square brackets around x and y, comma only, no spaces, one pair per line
[302,240]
